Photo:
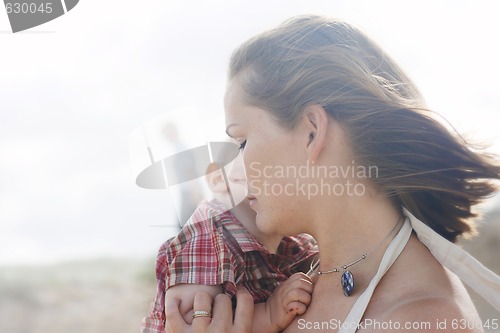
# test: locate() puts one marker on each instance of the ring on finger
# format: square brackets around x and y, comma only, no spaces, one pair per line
[201,313]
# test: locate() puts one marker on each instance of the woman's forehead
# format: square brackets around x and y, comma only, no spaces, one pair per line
[233,102]
[234,93]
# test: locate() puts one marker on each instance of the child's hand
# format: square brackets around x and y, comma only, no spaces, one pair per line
[290,299]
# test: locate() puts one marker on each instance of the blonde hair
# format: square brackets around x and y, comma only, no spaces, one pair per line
[422,166]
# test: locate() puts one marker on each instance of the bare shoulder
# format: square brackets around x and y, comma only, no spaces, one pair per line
[421,292]
[434,314]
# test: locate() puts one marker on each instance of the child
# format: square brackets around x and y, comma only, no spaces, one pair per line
[220,249]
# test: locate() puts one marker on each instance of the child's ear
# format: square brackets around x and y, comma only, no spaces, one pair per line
[215,179]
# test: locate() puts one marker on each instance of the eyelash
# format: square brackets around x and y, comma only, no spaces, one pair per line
[243,144]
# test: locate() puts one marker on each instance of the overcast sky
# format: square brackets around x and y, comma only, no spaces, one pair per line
[72,92]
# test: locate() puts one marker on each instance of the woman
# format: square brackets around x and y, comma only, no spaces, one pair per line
[337,143]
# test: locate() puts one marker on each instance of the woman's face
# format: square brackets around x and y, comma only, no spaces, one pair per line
[270,153]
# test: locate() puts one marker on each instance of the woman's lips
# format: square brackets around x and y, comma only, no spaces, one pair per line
[251,200]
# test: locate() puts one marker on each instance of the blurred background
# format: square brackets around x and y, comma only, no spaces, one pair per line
[78,237]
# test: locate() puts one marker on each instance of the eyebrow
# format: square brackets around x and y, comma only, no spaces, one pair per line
[227,129]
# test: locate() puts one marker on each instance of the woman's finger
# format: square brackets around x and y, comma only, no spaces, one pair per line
[174,323]
[222,313]
[202,311]
[244,312]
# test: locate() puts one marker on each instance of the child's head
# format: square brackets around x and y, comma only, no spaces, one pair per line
[227,187]
[230,188]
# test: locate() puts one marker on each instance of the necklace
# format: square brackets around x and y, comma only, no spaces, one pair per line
[347,278]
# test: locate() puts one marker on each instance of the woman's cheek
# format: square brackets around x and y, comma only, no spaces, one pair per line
[248,163]
[253,172]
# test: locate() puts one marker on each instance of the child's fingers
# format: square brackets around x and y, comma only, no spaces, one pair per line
[297,295]
[314,277]
[300,276]
[296,308]
[306,285]
[298,283]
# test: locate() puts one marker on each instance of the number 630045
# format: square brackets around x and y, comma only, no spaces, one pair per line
[28,8]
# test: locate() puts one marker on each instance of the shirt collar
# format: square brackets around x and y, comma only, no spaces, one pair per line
[247,241]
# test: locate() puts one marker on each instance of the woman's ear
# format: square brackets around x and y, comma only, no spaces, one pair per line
[317,124]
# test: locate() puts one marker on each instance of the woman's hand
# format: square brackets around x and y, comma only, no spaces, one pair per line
[222,314]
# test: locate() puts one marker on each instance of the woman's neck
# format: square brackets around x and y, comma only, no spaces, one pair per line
[362,225]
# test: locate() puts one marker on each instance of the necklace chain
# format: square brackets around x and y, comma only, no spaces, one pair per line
[315,264]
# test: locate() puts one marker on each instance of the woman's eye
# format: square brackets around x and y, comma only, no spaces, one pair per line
[243,144]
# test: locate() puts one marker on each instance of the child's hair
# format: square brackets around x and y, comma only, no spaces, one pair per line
[421,165]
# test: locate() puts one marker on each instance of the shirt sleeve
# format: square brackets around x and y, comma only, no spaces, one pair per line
[155,321]
[295,251]
[199,255]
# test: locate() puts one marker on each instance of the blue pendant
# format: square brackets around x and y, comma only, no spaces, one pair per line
[347,281]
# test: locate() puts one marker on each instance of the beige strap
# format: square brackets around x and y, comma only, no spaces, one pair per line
[467,268]
[393,251]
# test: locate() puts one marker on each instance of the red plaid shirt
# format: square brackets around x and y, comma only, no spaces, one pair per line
[221,251]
